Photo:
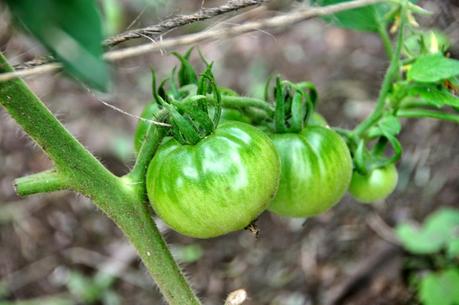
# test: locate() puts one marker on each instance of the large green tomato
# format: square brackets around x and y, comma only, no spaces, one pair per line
[217,186]
[375,186]
[316,169]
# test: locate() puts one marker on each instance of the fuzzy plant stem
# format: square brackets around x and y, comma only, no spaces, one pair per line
[389,77]
[120,198]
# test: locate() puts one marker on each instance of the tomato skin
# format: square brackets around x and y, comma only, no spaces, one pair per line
[316,169]
[317,119]
[233,115]
[217,186]
[375,186]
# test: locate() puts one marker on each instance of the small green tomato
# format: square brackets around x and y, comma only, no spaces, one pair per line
[375,186]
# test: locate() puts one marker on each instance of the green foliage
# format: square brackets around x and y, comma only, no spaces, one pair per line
[433,95]
[90,290]
[388,125]
[72,32]
[187,254]
[433,68]
[365,19]
[425,42]
[440,288]
[440,231]
[113,16]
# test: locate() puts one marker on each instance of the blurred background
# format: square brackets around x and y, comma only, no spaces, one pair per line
[59,249]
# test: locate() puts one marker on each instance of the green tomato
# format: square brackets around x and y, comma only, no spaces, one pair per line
[233,115]
[316,169]
[317,119]
[142,126]
[375,186]
[217,186]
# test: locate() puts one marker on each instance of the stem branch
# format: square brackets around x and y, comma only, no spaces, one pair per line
[386,86]
[422,113]
[122,199]
[243,102]
[44,182]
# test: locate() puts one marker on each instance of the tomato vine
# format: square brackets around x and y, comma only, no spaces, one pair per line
[206,175]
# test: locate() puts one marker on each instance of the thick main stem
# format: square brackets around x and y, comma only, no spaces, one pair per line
[122,199]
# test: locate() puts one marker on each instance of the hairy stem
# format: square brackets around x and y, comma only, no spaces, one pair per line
[382,30]
[386,86]
[243,102]
[44,182]
[150,144]
[122,199]
[423,113]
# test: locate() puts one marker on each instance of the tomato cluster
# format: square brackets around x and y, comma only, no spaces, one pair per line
[208,182]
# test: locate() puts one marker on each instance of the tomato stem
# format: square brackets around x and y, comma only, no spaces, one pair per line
[44,182]
[121,199]
[236,102]
[424,113]
[386,85]
[150,144]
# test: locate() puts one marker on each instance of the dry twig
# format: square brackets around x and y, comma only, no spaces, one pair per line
[181,20]
[225,32]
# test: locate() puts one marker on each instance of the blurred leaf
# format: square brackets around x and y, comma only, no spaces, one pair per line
[186,74]
[433,68]
[453,248]
[388,125]
[440,229]
[417,240]
[440,288]
[187,254]
[84,288]
[443,222]
[437,97]
[426,42]
[365,19]
[71,30]
[113,16]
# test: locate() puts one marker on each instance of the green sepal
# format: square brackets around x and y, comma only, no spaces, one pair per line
[183,130]
[360,158]
[298,112]
[279,114]
[195,108]
[186,74]
[207,84]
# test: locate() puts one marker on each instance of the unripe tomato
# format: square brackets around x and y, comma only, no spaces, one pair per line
[375,186]
[316,169]
[217,186]
[233,115]
[317,119]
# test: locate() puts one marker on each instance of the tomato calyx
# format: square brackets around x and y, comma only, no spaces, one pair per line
[192,115]
[295,103]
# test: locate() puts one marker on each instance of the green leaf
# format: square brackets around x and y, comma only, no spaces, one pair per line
[444,223]
[437,97]
[433,68]
[440,288]
[438,231]
[453,248]
[72,32]
[365,19]
[186,74]
[388,125]
[187,254]
[416,240]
